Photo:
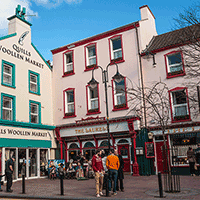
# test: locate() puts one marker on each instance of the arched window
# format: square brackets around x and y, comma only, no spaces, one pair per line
[88,144]
[123,141]
[73,146]
[104,144]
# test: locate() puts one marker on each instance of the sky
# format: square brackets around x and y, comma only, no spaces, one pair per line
[60,22]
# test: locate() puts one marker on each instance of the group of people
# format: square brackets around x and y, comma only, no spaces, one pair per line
[194,159]
[108,168]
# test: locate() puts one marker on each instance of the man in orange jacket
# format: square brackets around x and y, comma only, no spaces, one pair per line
[112,163]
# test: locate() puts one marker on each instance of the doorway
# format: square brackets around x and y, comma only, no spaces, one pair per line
[123,150]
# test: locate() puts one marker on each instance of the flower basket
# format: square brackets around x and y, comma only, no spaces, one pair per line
[120,106]
[69,114]
[68,72]
[116,60]
[91,66]
[175,73]
[183,117]
[93,110]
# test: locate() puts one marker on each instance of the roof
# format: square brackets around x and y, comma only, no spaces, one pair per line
[96,37]
[173,39]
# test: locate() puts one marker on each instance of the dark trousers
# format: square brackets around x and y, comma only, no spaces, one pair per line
[112,175]
[192,171]
[9,181]
[120,182]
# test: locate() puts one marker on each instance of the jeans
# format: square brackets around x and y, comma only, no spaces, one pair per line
[112,174]
[99,182]
[192,170]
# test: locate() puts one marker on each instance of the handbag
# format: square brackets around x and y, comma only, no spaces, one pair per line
[195,166]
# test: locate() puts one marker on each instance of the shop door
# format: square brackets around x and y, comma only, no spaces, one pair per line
[124,151]
[161,163]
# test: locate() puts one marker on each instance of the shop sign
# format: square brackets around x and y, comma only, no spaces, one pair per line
[10,132]
[91,130]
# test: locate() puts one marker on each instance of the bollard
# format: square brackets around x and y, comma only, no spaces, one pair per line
[61,185]
[160,185]
[107,184]
[23,184]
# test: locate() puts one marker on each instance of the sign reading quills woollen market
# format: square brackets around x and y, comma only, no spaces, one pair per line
[20,53]
[23,133]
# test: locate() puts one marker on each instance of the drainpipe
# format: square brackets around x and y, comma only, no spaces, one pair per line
[141,74]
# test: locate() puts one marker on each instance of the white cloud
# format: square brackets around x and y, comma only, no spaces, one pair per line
[55,3]
[7,9]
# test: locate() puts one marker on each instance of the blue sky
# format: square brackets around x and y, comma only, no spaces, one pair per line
[60,22]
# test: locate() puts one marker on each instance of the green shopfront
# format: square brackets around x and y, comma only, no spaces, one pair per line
[27,144]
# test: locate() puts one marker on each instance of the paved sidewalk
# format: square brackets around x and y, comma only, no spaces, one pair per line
[142,187]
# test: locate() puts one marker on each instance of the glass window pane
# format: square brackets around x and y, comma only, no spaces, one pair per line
[34,119]
[33,78]
[7,79]
[118,54]
[32,162]
[179,97]
[93,93]
[92,61]
[174,59]
[91,51]
[7,114]
[7,69]
[7,102]
[181,110]
[120,87]
[117,44]
[70,108]
[34,108]
[69,58]
[33,87]
[70,96]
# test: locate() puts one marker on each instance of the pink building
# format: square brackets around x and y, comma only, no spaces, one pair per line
[79,110]
[183,129]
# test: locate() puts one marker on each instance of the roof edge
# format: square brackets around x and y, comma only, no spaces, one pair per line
[8,36]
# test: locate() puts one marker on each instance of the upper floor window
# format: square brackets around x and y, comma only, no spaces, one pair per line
[174,64]
[116,49]
[35,112]
[180,104]
[34,82]
[91,57]
[119,95]
[8,74]
[7,107]
[68,63]
[69,103]
[93,100]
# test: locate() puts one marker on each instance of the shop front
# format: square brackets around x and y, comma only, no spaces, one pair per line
[178,141]
[32,146]
[87,136]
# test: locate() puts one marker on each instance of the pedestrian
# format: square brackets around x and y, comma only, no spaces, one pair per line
[8,172]
[0,181]
[112,163]
[105,179]
[197,153]
[120,176]
[61,171]
[53,172]
[191,159]
[97,166]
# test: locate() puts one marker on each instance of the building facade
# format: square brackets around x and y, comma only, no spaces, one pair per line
[26,122]
[80,110]
[171,68]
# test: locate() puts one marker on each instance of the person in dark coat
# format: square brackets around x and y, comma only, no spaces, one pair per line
[9,171]
[197,153]
[192,160]
[120,172]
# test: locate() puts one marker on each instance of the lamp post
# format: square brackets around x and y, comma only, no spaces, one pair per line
[93,84]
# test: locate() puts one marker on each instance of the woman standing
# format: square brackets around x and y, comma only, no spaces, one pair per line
[191,159]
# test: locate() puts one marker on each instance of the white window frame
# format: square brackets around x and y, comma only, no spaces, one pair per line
[116,95]
[68,66]
[34,83]
[92,99]
[174,106]
[7,74]
[90,57]
[8,109]
[117,50]
[67,104]
[35,114]
[174,65]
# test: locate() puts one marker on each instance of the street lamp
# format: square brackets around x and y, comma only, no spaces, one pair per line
[93,84]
